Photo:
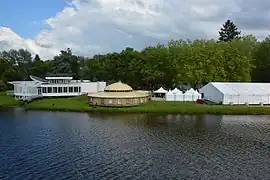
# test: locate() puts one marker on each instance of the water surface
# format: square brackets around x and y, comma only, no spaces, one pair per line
[61,145]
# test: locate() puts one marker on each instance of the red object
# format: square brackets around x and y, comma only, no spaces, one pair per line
[200,101]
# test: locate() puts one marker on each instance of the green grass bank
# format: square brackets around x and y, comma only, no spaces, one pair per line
[79,104]
[7,101]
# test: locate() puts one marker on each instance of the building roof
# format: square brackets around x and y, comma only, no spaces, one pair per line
[59,78]
[118,87]
[120,95]
[38,79]
[237,88]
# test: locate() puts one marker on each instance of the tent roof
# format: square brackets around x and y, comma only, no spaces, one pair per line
[160,90]
[175,90]
[169,92]
[191,91]
[236,88]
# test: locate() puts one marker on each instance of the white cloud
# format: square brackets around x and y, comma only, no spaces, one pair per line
[97,26]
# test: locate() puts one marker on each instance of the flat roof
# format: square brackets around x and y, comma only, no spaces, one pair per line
[59,78]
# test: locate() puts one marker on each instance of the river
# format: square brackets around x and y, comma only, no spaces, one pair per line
[65,145]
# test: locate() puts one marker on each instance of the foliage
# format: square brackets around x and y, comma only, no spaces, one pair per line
[262,62]
[229,31]
[178,62]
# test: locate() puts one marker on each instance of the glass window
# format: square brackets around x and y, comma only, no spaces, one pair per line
[54,89]
[65,89]
[79,89]
[70,89]
[44,90]
[49,89]
[59,89]
[75,89]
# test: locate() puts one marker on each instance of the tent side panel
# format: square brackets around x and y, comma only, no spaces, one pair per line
[211,93]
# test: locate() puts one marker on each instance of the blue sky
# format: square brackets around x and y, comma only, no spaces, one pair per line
[25,17]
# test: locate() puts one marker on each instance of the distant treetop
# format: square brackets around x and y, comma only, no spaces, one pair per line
[229,31]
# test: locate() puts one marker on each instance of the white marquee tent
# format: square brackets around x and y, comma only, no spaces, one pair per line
[161,91]
[179,96]
[169,96]
[175,90]
[237,93]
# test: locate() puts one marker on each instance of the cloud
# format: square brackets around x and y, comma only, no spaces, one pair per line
[89,27]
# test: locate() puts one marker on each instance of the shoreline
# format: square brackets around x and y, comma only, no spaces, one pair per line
[222,112]
[80,104]
[211,110]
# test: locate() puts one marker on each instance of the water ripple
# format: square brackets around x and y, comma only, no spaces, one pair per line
[54,145]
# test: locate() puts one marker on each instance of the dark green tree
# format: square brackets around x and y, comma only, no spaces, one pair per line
[229,31]
[262,62]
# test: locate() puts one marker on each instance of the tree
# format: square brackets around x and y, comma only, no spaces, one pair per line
[262,62]
[38,68]
[229,31]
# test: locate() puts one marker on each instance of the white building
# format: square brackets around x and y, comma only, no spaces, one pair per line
[54,87]
[237,93]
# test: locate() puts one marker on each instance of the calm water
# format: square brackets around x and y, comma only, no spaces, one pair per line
[56,145]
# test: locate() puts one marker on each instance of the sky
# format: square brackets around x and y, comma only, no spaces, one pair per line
[91,27]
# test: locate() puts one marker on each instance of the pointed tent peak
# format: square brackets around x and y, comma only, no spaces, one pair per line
[160,90]
[197,92]
[179,92]
[190,91]
[170,92]
[175,90]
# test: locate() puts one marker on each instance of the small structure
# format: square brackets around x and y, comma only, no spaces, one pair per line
[169,96]
[179,96]
[237,93]
[160,93]
[54,86]
[191,95]
[175,90]
[118,95]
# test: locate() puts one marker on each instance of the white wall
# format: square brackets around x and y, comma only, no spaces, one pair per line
[25,88]
[243,99]
[169,97]
[211,93]
[92,87]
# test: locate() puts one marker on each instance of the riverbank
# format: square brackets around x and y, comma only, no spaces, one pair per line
[79,104]
[7,101]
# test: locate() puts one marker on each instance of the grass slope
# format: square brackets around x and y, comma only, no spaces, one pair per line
[80,104]
[7,101]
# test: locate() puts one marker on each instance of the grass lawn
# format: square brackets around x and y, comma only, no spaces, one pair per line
[7,101]
[81,104]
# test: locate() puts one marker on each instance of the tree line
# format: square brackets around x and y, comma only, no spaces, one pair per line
[230,58]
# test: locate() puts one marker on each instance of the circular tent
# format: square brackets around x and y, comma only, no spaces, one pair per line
[118,95]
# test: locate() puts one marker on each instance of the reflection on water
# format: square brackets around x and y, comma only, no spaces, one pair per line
[49,145]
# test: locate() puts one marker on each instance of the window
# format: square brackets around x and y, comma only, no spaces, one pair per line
[102,101]
[44,90]
[65,89]
[79,89]
[60,90]
[39,91]
[75,89]
[70,89]
[54,89]
[49,89]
